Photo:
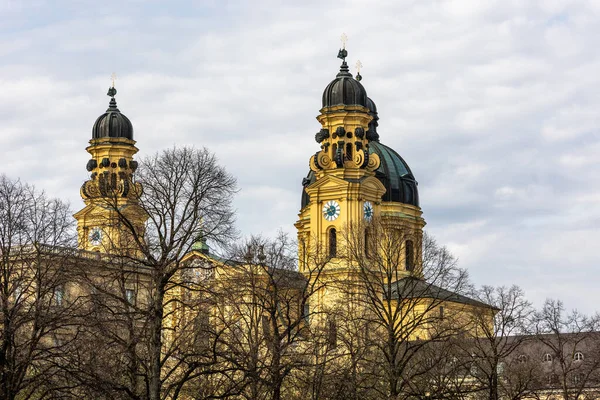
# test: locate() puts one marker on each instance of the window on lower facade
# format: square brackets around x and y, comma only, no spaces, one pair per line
[332,334]
[409,255]
[59,295]
[306,314]
[130,296]
[332,243]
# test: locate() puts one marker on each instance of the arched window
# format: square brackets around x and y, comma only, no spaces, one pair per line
[332,243]
[367,243]
[409,255]
[332,334]
[578,356]
[349,151]
[547,357]
[303,254]
[333,151]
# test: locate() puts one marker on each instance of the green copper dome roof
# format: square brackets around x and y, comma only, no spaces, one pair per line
[395,175]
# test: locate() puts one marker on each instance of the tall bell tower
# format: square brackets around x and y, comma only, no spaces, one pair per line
[341,187]
[357,187]
[111,194]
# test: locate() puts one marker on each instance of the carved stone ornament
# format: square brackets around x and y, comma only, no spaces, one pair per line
[359,132]
[323,160]
[366,159]
[359,158]
[373,162]
[313,163]
[91,164]
[321,135]
[372,135]
[108,185]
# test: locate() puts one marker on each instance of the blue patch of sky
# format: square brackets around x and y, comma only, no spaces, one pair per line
[558,19]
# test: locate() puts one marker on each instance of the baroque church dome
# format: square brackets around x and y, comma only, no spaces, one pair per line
[112,123]
[393,171]
[344,90]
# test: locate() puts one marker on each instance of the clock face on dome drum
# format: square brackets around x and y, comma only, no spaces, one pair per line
[368,210]
[95,236]
[331,210]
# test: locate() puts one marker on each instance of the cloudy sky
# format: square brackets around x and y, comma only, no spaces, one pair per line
[494,105]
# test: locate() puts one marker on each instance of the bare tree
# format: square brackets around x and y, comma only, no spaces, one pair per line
[35,303]
[500,332]
[408,290]
[186,198]
[571,349]
[264,313]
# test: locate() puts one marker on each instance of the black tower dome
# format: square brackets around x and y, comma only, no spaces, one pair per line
[344,89]
[112,123]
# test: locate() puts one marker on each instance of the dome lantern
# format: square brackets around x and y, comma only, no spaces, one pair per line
[344,89]
[112,124]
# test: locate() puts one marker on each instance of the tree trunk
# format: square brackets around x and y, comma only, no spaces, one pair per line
[494,384]
[156,342]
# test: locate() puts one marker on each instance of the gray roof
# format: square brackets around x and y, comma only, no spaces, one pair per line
[411,287]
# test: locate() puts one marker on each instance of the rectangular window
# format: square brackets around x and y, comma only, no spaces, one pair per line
[130,296]
[18,293]
[441,312]
[306,314]
[59,295]
[266,324]
[409,255]
[332,334]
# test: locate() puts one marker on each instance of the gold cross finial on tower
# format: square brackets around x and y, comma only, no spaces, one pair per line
[342,54]
[111,90]
[358,67]
[344,39]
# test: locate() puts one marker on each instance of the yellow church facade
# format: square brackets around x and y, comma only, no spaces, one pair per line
[355,183]
[360,266]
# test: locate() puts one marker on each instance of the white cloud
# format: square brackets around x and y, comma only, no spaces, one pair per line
[493,105]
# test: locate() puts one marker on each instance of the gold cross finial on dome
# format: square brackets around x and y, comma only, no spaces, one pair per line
[358,66]
[344,39]
[111,90]
[343,53]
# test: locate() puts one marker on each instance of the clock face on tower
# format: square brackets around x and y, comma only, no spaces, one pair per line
[95,236]
[331,210]
[368,210]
